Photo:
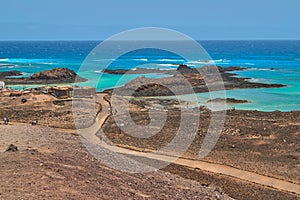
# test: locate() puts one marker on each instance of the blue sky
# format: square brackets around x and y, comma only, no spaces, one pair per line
[200,19]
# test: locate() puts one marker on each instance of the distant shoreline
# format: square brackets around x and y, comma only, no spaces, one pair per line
[54,76]
[196,78]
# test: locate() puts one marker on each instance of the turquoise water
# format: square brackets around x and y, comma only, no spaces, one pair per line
[262,99]
[267,62]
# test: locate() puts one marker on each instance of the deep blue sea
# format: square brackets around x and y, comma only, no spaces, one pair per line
[267,62]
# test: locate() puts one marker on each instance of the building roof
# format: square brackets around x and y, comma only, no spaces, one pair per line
[61,88]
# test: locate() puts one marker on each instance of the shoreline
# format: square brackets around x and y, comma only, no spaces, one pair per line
[54,76]
[192,75]
[45,108]
[196,77]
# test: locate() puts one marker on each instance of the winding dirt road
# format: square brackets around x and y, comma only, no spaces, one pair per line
[196,164]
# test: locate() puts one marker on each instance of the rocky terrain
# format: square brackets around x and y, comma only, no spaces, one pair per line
[181,68]
[46,163]
[3,75]
[264,143]
[197,80]
[57,75]
[45,108]
[227,100]
[260,142]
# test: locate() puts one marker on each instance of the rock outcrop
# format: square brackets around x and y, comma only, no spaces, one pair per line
[57,75]
[184,69]
[227,100]
[3,75]
[12,148]
[198,80]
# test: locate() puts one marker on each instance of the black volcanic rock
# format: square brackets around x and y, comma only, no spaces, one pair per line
[198,78]
[10,73]
[12,148]
[57,75]
[227,100]
[184,69]
[233,68]
[116,71]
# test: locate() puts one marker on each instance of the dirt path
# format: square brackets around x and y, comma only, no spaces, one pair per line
[89,133]
[215,168]
[196,164]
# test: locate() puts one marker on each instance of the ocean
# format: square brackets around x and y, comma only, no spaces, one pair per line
[266,62]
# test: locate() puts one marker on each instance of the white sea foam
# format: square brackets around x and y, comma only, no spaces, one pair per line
[4,59]
[249,64]
[209,61]
[28,61]
[170,60]
[201,62]
[47,63]
[141,59]
[220,60]
[255,80]
[259,69]
[259,80]
[166,65]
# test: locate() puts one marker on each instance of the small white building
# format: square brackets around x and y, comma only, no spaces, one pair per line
[2,85]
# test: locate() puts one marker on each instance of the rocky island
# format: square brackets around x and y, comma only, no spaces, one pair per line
[3,75]
[227,100]
[57,75]
[197,79]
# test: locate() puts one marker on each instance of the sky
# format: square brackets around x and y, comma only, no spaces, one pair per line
[199,19]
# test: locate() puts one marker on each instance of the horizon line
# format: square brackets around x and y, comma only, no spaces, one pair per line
[97,40]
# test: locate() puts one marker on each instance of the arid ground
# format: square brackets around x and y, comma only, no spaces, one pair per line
[52,162]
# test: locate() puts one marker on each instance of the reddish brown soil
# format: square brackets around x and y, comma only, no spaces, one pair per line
[51,164]
[264,143]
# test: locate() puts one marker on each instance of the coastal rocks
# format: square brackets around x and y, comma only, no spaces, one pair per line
[3,75]
[23,100]
[6,65]
[12,148]
[227,100]
[150,87]
[233,68]
[54,76]
[184,69]
[197,79]
[59,74]
[118,71]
